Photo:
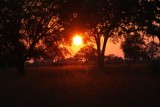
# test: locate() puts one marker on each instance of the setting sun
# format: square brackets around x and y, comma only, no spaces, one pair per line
[77,40]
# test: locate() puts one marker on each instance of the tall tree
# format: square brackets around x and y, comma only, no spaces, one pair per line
[29,29]
[147,21]
[103,18]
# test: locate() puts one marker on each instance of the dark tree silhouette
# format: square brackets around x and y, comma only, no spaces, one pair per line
[29,29]
[149,17]
[145,20]
[103,18]
[10,25]
[146,17]
[113,59]
[133,47]
[87,53]
[152,50]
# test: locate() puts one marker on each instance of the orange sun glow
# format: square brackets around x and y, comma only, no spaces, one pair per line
[77,40]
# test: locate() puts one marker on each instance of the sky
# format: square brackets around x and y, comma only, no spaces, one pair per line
[115,49]
[111,48]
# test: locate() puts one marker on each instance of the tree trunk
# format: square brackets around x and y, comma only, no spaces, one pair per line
[99,56]
[20,67]
[101,60]
[100,52]
[103,53]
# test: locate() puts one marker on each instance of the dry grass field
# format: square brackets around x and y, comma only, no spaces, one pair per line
[80,86]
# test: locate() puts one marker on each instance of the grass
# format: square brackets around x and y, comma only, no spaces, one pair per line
[80,86]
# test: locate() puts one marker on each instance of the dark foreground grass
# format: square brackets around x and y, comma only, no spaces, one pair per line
[80,86]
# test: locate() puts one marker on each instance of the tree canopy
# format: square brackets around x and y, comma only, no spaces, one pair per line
[87,54]
[103,19]
[30,29]
[133,47]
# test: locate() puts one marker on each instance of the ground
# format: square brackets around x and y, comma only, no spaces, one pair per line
[80,86]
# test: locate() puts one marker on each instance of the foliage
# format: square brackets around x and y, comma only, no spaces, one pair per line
[87,53]
[147,17]
[145,21]
[133,47]
[112,59]
[150,17]
[103,18]
[152,50]
[29,29]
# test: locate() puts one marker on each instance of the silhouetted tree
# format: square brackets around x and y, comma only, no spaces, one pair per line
[133,47]
[152,50]
[28,28]
[153,55]
[103,18]
[86,53]
[148,17]
[113,59]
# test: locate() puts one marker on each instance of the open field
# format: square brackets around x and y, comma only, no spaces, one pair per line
[80,86]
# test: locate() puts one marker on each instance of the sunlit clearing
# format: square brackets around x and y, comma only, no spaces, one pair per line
[77,40]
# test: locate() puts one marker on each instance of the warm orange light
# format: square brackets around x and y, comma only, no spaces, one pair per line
[77,40]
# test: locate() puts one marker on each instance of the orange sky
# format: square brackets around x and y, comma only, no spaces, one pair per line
[115,48]
[111,48]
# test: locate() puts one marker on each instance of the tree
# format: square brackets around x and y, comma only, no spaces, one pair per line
[147,17]
[103,18]
[153,56]
[133,47]
[9,34]
[29,29]
[113,59]
[86,53]
[145,20]
[150,16]
[152,50]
